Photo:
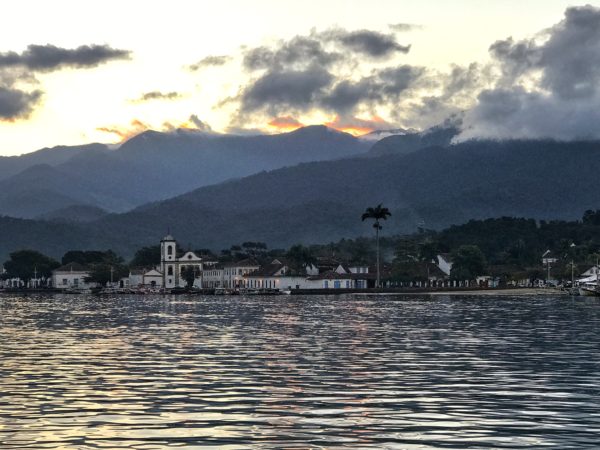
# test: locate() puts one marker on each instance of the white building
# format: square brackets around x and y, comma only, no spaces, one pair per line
[71,276]
[233,273]
[212,276]
[172,267]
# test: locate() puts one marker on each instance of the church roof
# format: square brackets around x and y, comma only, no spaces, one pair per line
[168,237]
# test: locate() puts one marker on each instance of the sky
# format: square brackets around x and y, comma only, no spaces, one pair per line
[75,72]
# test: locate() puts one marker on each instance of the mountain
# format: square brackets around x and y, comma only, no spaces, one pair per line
[153,166]
[323,201]
[409,142]
[11,165]
[74,214]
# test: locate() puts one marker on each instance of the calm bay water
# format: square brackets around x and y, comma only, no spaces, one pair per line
[299,372]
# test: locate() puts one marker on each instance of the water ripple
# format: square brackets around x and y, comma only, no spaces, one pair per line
[296,372]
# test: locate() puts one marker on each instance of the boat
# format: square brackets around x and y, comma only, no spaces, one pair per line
[589,290]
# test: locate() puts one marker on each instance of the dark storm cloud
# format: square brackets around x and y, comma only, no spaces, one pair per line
[213,60]
[18,69]
[300,51]
[569,59]
[383,86]
[45,58]
[517,58]
[290,89]
[550,86]
[157,95]
[17,104]
[369,43]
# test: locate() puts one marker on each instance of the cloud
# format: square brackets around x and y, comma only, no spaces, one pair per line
[208,61]
[17,104]
[157,95]
[19,94]
[404,27]
[549,85]
[285,123]
[369,43]
[295,90]
[46,58]
[381,87]
[200,125]
[135,127]
[298,52]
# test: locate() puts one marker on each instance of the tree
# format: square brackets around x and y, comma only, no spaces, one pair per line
[428,251]
[110,268]
[300,258]
[146,257]
[377,213]
[189,273]
[468,262]
[83,257]
[24,264]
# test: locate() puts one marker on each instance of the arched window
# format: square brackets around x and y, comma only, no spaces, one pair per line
[170,269]
[169,250]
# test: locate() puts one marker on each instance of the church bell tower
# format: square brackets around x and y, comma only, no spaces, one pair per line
[168,257]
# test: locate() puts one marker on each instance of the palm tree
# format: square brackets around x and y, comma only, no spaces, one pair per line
[378,213]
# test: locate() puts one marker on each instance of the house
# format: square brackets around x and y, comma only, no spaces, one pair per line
[136,277]
[330,280]
[71,276]
[233,273]
[212,276]
[153,278]
[275,275]
[592,271]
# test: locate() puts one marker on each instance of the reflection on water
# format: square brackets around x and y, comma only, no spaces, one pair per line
[298,372]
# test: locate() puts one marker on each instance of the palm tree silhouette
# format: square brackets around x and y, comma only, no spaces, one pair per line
[378,213]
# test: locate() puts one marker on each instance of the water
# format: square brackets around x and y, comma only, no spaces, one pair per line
[299,372]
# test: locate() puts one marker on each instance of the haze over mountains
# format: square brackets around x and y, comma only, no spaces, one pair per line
[321,201]
[153,166]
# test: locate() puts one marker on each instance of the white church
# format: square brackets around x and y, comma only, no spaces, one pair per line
[170,273]
[172,267]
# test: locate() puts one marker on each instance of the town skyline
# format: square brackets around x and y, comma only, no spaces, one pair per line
[239,68]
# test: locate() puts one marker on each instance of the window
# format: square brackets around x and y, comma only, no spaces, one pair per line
[65,281]
[170,270]
[326,284]
[169,250]
[76,281]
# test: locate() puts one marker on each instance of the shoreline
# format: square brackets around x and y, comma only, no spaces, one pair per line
[362,292]
[479,292]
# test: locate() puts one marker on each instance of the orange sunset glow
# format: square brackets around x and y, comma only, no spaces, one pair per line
[358,127]
[285,123]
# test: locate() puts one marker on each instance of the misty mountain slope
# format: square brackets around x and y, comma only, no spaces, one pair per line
[11,165]
[74,214]
[440,186]
[154,166]
[403,144]
[323,201]
[49,238]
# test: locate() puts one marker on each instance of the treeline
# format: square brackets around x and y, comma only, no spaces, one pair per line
[506,247]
